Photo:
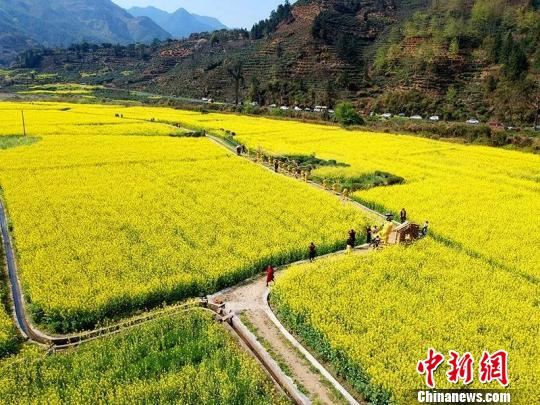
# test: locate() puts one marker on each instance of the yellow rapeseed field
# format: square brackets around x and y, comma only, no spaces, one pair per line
[381,313]
[479,199]
[107,224]
[8,337]
[473,286]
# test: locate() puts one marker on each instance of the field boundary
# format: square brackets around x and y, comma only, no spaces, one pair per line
[312,360]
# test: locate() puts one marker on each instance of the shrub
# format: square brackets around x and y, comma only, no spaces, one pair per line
[347,115]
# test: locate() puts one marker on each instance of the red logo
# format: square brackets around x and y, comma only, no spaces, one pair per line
[429,366]
[461,368]
[492,367]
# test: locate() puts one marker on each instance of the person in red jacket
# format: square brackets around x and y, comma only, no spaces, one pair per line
[269,274]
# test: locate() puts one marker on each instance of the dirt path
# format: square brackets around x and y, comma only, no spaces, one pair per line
[249,301]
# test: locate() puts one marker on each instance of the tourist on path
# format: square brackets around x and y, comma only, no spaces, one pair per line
[425,229]
[269,274]
[352,238]
[403,215]
[368,234]
[387,230]
[312,252]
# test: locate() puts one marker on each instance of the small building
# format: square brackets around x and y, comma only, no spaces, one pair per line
[407,232]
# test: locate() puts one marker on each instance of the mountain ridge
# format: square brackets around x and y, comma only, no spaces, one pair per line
[181,23]
[64,22]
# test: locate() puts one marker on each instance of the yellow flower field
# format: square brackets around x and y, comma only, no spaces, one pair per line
[8,337]
[479,273]
[44,119]
[107,224]
[382,312]
[473,285]
[479,199]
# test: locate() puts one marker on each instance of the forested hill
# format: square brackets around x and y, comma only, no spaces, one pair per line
[457,58]
[478,56]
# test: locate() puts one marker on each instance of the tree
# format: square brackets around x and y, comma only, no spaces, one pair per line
[268,26]
[507,47]
[486,16]
[255,93]
[496,47]
[279,50]
[324,25]
[330,94]
[347,47]
[491,84]
[347,115]
[31,58]
[509,104]
[517,63]
[235,69]
[454,47]
[532,94]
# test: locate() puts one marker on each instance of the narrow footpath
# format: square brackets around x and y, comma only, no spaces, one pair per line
[249,302]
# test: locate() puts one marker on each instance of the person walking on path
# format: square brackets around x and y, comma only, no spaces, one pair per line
[351,241]
[276,166]
[269,274]
[312,252]
[352,238]
[403,215]
[368,234]
[239,150]
[387,230]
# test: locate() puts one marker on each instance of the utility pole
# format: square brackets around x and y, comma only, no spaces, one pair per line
[23,123]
